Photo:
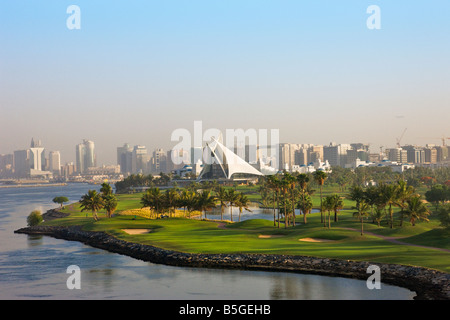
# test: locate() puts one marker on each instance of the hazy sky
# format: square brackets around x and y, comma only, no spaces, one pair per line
[138,70]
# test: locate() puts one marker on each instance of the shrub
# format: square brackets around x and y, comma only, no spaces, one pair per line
[34,218]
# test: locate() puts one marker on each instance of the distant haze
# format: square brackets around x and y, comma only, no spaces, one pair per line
[138,70]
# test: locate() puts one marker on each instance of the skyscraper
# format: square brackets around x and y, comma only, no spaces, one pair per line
[124,158]
[85,156]
[54,158]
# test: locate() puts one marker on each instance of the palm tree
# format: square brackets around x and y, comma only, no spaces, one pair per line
[187,201]
[362,211]
[303,180]
[327,205]
[416,210]
[336,204]
[170,200]
[242,203]
[110,204]
[285,186]
[356,194]
[109,199]
[232,197]
[389,198]
[205,201]
[273,183]
[222,198]
[292,183]
[106,189]
[377,215]
[92,201]
[320,177]
[305,205]
[404,193]
[154,199]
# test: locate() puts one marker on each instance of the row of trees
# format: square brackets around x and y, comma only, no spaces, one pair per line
[95,201]
[141,180]
[194,200]
[286,192]
[378,202]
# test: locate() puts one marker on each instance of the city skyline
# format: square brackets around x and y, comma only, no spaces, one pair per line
[136,72]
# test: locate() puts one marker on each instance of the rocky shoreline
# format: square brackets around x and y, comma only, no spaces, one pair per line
[428,284]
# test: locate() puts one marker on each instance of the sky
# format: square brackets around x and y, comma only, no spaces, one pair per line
[136,71]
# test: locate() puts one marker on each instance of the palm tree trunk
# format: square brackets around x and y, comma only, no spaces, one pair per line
[329,220]
[362,225]
[293,209]
[321,215]
[273,204]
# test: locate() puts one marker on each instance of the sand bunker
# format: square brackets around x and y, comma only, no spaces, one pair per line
[267,236]
[315,240]
[137,231]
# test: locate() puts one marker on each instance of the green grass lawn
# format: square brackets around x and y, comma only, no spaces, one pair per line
[260,236]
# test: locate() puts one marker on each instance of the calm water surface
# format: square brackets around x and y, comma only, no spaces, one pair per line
[34,267]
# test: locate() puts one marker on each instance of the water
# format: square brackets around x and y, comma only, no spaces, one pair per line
[34,267]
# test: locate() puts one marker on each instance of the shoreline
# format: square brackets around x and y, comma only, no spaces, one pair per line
[428,284]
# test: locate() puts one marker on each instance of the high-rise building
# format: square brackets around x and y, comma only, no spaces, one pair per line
[54,166]
[21,163]
[124,158]
[336,154]
[85,156]
[430,155]
[159,161]
[6,165]
[139,160]
[36,156]
[399,155]
[442,153]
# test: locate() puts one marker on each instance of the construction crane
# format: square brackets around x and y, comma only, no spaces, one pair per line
[442,138]
[400,139]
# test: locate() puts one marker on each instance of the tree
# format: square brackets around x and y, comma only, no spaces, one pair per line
[170,200]
[106,189]
[362,211]
[438,194]
[389,198]
[377,215]
[404,193]
[444,215]
[305,205]
[153,198]
[416,210]
[92,201]
[320,177]
[205,201]
[273,183]
[34,218]
[242,203]
[60,200]
[187,200]
[110,204]
[327,205]
[109,199]
[357,194]
[221,196]
[337,204]
[231,197]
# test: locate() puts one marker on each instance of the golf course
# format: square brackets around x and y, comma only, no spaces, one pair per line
[424,244]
